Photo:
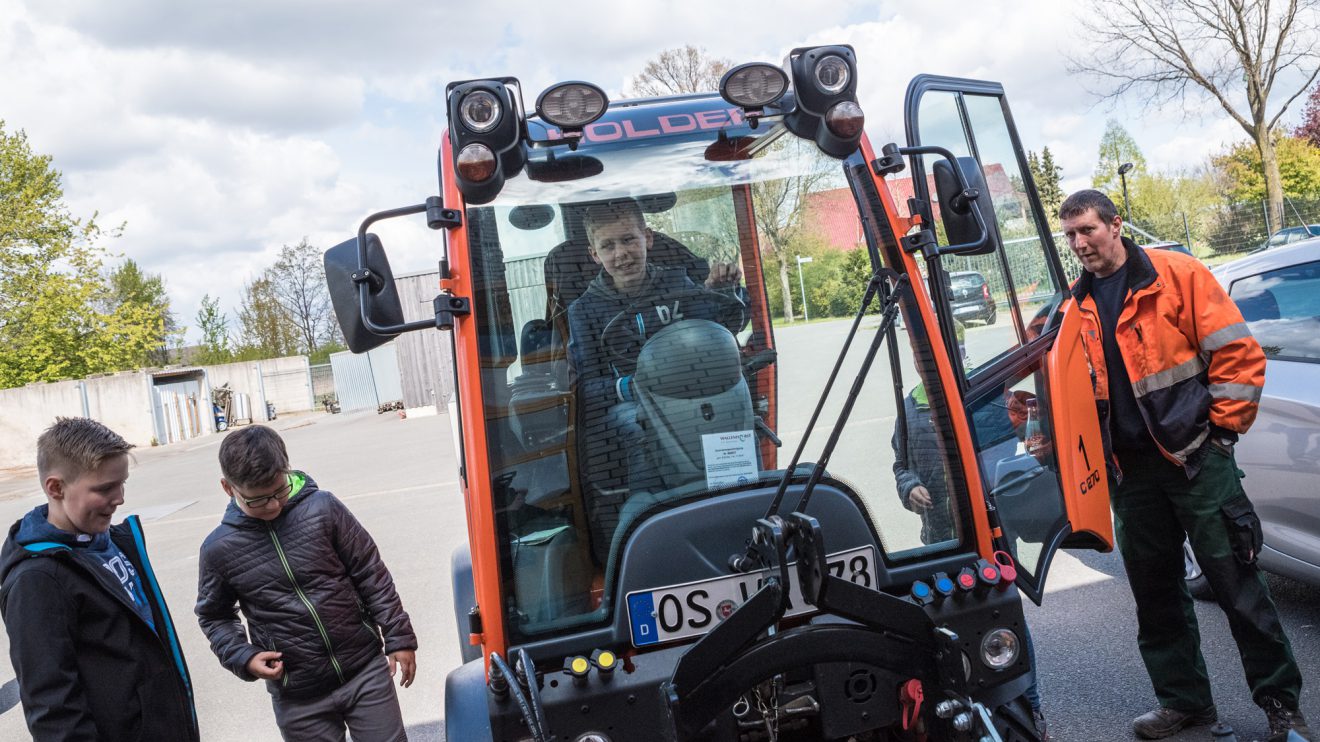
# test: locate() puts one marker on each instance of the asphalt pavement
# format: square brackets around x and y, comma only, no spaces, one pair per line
[400,478]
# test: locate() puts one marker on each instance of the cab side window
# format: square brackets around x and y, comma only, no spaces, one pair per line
[1282,308]
[1000,301]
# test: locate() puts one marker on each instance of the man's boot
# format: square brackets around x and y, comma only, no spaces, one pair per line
[1284,720]
[1164,722]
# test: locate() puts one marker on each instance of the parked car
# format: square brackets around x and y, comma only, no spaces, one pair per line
[1174,246]
[1278,292]
[1289,235]
[970,295]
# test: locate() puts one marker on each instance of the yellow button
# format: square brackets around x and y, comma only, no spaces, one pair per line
[605,659]
[580,664]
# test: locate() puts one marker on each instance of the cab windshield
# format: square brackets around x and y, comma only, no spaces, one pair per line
[645,341]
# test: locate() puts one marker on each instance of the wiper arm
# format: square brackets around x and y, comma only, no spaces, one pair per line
[877,284]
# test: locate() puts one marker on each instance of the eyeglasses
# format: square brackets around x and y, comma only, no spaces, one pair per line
[257,502]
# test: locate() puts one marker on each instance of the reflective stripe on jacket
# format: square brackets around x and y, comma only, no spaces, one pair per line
[1189,354]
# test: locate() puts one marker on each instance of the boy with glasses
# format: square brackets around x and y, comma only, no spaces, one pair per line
[319,602]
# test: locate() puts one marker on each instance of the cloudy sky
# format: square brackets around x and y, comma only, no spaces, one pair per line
[217,132]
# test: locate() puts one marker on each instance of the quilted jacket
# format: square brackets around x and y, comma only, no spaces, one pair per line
[311,585]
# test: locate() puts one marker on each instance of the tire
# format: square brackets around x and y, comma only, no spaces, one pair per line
[1197,584]
[992,317]
[1014,721]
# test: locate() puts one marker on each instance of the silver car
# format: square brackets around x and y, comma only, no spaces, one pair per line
[1278,292]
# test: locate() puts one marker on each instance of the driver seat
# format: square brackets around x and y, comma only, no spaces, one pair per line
[689,385]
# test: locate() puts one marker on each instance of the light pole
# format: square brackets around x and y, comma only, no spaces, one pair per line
[1127,205]
[803,286]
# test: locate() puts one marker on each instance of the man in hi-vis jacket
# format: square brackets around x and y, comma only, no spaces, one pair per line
[1177,378]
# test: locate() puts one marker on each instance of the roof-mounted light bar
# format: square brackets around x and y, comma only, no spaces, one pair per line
[753,85]
[572,105]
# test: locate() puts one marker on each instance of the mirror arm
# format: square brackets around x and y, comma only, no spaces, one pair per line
[446,306]
[922,240]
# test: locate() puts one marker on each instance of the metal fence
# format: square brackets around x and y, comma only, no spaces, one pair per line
[367,380]
[323,384]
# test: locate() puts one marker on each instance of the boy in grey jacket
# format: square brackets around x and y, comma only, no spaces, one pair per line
[319,602]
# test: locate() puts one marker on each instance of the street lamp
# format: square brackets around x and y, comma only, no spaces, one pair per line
[802,285]
[1122,176]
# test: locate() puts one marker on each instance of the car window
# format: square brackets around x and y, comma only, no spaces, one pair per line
[1282,308]
[966,280]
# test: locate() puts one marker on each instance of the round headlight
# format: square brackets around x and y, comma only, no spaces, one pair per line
[480,111]
[572,105]
[845,119]
[475,163]
[831,74]
[1000,648]
[753,85]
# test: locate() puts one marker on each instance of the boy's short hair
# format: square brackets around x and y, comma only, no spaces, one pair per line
[74,446]
[253,456]
[609,213]
[1082,201]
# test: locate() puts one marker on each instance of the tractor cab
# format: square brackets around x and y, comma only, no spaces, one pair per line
[692,513]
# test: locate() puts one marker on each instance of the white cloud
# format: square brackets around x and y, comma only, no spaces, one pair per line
[218,132]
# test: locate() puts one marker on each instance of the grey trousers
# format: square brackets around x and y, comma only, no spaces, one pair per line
[367,706]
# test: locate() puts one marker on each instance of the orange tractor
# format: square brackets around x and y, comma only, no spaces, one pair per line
[692,515]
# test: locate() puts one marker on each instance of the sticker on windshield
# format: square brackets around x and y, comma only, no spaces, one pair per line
[730,458]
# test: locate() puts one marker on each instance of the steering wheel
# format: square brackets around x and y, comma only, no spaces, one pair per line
[623,336]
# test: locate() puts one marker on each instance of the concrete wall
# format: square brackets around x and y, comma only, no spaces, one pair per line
[287,382]
[121,401]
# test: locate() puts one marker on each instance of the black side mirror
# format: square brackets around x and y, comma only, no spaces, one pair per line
[960,207]
[383,307]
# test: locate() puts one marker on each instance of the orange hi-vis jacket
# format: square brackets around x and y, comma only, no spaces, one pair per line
[1190,356]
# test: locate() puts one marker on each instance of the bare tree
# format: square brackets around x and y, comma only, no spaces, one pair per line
[298,282]
[1231,50]
[674,71]
[781,206]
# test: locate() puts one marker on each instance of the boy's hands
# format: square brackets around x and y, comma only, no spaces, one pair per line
[266,665]
[405,659]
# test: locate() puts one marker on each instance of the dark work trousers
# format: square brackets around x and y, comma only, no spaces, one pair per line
[1154,507]
[366,705]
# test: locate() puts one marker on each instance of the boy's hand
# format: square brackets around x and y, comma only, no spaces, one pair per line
[266,665]
[406,660]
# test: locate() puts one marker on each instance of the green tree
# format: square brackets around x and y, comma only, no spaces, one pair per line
[1049,182]
[1161,201]
[214,326]
[1116,148]
[266,330]
[128,284]
[58,314]
[1299,169]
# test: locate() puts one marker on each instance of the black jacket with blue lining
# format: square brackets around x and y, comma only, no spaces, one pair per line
[89,667]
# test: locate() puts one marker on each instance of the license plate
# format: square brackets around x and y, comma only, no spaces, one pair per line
[681,611]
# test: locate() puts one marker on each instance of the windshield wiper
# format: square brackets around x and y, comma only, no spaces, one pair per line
[889,285]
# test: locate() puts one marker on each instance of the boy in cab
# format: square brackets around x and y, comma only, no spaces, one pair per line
[326,629]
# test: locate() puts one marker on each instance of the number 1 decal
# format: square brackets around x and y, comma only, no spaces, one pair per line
[1081,446]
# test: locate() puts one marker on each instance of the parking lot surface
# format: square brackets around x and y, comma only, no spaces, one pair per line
[399,477]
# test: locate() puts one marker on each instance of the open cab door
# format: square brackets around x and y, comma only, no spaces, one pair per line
[1001,296]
